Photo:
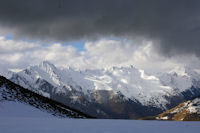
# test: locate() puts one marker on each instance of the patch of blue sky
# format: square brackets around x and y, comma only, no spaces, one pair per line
[79,45]
[8,37]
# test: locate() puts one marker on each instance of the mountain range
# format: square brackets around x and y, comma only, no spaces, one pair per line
[115,92]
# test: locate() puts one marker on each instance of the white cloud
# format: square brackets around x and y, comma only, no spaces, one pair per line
[19,54]
[7,46]
[98,54]
[55,53]
[108,53]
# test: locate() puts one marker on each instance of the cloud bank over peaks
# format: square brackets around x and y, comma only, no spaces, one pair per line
[99,54]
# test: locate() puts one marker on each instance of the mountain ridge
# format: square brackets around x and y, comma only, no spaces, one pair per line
[185,111]
[10,91]
[103,90]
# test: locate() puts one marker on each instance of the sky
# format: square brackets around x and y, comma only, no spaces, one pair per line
[156,35]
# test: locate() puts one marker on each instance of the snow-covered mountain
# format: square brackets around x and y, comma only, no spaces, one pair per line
[110,92]
[186,111]
[15,101]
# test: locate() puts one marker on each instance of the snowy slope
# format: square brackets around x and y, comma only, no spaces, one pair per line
[49,125]
[186,111]
[133,83]
[181,82]
[10,109]
[17,101]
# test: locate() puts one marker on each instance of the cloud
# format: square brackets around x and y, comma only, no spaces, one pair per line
[107,53]
[15,55]
[173,26]
[7,46]
[55,53]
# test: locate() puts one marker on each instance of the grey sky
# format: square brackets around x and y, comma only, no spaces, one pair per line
[173,25]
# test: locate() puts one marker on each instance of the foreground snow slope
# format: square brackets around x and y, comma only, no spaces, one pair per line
[15,99]
[13,110]
[54,125]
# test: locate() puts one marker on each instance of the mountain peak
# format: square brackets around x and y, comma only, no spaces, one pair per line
[47,66]
[46,63]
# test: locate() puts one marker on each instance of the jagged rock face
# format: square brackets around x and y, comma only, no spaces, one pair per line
[186,111]
[124,92]
[12,92]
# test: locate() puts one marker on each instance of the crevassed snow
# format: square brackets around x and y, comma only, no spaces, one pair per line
[130,81]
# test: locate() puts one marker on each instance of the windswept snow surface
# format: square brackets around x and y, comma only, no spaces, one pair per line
[54,125]
[133,83]
[13,110]
[21,118]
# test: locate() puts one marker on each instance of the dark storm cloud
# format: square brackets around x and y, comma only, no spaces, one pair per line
[175,24]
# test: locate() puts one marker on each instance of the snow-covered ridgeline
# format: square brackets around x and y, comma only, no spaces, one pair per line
[130,81]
